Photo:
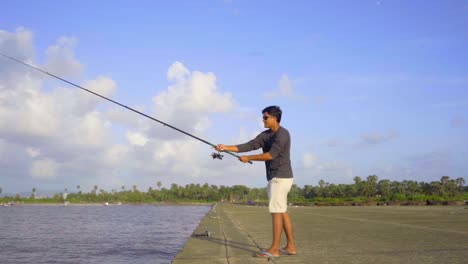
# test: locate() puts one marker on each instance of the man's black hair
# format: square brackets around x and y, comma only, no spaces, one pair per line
[273,110]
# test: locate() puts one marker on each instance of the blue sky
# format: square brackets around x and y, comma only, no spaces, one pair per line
[367,87]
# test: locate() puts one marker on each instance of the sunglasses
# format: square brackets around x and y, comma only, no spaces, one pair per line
[266,117]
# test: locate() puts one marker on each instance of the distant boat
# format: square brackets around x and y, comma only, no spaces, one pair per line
[66,203]
[119,203]
[106,204]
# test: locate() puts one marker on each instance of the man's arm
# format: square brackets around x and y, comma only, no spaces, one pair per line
[260,157]
[221,147]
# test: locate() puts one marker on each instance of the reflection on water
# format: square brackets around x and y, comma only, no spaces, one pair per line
[95,234]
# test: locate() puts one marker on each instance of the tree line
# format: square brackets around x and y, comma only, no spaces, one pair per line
[361,190]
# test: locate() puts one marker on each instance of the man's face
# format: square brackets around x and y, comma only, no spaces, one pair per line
[268,120]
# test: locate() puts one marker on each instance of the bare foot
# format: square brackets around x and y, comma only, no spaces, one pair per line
[274,252]
[289,250]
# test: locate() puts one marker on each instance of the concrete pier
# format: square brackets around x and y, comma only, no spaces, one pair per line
[426,234]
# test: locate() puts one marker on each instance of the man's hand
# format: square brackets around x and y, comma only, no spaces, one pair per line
[220,147]
[244,159]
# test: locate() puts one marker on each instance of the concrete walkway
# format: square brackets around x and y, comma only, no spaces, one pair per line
[430,234]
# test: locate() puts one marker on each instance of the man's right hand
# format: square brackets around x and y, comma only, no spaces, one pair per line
[220,147]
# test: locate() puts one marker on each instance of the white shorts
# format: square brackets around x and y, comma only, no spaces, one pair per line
[278,189]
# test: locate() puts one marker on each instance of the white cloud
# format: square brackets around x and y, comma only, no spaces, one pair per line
[373,139]
[83,101]
[64,135]
[188,102]
[166,150]
[44,169]
[33,152]
[193,91]
[18,44]
[333,143]
[309,160]
[202,125]
[61,59]
[312,169]
[62,124]
[285,86]
[425,166]
[285,89]
[92,130]
[115,154]
[125,117]
[36,111]
[137,139]
[177,72]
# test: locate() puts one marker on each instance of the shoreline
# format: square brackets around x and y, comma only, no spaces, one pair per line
[110,204]
[318,204]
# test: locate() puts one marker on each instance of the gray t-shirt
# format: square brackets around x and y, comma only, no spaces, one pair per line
[278,145]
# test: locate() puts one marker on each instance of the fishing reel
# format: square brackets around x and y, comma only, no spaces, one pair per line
[217,155]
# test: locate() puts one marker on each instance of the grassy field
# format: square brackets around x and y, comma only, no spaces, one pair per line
[426,234]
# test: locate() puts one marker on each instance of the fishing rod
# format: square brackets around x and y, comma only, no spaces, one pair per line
[214,154]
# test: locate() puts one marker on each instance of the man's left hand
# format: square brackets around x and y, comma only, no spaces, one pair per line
[244,159]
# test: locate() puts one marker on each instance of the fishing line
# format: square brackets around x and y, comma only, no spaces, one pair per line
[214,155]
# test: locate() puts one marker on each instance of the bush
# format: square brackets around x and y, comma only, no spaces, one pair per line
[398,197]
[417,197]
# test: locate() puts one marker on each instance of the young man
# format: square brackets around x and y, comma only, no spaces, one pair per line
[276,145]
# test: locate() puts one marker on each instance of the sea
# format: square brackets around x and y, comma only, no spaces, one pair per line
[96,234]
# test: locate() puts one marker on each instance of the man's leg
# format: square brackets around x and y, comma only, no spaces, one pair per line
[288,230]
[277,193]
[277,221]
[277,224]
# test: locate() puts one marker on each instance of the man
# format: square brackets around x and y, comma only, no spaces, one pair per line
[276,144]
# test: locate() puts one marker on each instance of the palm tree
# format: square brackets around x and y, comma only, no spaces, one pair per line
[358,185]
[123,188]
[460,183]
[308,191]
[397,187]
[370,187]
[445,180]
[33,195]
[323,187]
[453,188]
[384,188]
[1,190]
[413,188]
[437,188]
[425,188]
[65,193]
[159,185]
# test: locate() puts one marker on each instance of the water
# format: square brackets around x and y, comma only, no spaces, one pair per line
[95,234]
